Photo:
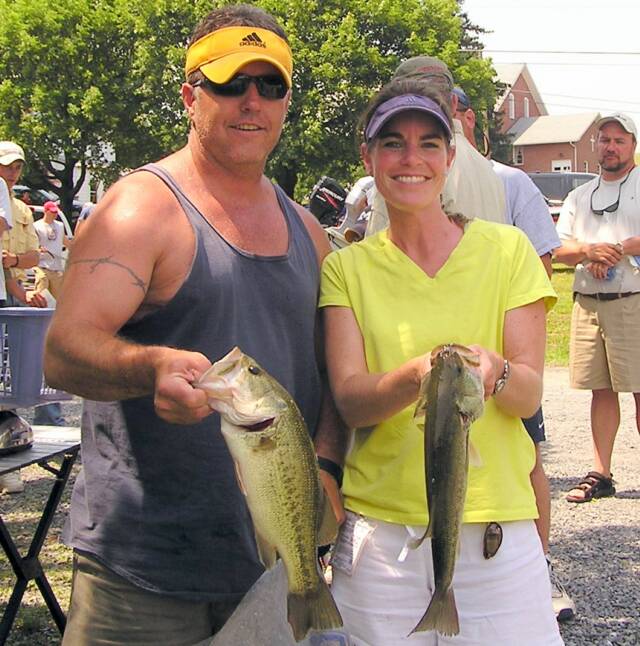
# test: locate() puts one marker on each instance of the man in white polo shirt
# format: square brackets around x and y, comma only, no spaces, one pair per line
[599,227]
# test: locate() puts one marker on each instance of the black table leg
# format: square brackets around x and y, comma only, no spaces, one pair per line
[29,568]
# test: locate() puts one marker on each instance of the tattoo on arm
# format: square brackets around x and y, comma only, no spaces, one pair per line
[107,260]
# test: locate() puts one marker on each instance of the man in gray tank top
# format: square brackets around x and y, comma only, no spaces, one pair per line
[181,261]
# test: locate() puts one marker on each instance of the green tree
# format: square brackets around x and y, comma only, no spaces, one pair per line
[501,146]
[84,80]
[95,83]
[344,50]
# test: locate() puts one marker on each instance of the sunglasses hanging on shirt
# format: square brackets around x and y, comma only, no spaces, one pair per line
[612,207]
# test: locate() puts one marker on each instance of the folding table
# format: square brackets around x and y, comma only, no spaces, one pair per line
[60,448]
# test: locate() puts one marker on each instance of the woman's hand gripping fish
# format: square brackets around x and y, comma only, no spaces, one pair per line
[451,398]
[278,473]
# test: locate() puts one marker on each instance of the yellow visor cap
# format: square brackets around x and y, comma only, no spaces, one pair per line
[220,54]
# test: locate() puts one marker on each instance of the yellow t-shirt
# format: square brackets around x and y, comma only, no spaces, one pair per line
[22,236]
[403,313]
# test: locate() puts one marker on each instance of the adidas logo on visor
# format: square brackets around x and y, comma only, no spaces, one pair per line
[252,39]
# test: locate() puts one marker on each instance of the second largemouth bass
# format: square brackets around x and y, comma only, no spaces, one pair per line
[451,398]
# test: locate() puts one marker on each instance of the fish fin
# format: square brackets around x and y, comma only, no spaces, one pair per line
[415,541]
[328,526]
[474,456]
[236,466]
[313,610]
[420,411]
[428,533]
[441,615]
[266,552]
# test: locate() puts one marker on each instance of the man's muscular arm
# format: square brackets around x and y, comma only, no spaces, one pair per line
[122,265]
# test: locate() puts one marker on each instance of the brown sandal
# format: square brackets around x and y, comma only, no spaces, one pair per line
[593,485]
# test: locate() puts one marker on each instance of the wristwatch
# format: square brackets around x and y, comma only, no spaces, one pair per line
[502,380]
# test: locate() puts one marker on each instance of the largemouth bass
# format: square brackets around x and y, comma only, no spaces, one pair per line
[278,473]
[451,398]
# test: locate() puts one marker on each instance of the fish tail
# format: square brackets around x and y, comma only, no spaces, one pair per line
[314,610]
[441,615]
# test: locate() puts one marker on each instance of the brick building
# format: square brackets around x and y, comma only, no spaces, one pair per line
[542,142]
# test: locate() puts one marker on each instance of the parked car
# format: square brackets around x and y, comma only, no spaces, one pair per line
[39,196]
[556,186]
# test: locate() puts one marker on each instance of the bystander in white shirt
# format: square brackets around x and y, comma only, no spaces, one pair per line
[6,222]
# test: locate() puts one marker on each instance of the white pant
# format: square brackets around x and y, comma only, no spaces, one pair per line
[502,601]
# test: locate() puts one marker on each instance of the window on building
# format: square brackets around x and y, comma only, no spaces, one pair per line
[518,157]
[526,107]
[586,166]
[512,106]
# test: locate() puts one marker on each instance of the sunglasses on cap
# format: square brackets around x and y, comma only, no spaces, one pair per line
[492,540]
[269,86]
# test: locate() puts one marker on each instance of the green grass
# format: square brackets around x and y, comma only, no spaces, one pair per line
[559,319]
[33,625]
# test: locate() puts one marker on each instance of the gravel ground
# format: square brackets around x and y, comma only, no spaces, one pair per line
[595,546]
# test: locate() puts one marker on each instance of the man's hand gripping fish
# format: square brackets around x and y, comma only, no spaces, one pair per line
[451,398]
[278,473]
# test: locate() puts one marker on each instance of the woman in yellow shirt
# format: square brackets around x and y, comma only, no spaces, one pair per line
[431,279]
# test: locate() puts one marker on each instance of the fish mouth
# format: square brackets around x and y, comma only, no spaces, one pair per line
[469,358]
[259,426]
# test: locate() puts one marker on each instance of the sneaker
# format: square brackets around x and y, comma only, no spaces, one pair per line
[563,604]
[11,483]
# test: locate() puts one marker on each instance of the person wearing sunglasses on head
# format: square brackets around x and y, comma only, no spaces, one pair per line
[599,226]
[181,261]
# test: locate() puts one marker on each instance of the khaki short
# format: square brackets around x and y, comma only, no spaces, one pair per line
[48,279]
[604,351]
[106,609]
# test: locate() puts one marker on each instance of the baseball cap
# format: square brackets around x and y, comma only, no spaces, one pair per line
[623,120]
[463,99]
[51,206]
[9,152]
[404,103]
[424,67]
[220,54]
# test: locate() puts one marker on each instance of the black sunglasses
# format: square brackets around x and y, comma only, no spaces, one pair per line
[492,540]
[270,86]
[612,207]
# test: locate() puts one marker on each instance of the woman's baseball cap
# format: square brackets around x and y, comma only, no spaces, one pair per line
[404,103]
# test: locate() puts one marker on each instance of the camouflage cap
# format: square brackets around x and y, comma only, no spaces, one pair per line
[426,68]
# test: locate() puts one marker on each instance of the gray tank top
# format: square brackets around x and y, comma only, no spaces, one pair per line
[159,503]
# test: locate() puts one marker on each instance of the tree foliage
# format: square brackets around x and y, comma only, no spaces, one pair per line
[84,79]
[80,78]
